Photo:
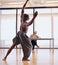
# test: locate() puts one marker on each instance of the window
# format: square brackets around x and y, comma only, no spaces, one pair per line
[8,26]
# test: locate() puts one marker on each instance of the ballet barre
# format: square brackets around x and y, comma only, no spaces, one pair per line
[51,40]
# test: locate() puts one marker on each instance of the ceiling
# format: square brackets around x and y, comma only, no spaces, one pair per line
[31,3]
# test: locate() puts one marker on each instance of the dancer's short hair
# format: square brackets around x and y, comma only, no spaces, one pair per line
[25,17]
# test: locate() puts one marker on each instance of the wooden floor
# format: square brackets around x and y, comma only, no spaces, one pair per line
[39,57]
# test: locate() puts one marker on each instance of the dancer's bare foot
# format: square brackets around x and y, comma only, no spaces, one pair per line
[4,59]
[25,60]
[32,51]
[37,46]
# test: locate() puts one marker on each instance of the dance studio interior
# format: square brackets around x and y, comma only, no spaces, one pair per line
[45,24]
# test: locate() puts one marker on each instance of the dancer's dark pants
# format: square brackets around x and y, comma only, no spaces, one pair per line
[34,43]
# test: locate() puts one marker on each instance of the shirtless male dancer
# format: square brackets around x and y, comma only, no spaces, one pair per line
[21,37]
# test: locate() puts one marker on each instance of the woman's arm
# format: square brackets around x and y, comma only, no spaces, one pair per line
[22,12]
[35,14]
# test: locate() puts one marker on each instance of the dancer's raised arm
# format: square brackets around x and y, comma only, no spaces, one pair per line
[34,16]
[22,12]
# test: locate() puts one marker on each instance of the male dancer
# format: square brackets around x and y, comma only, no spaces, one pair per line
[21,37]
